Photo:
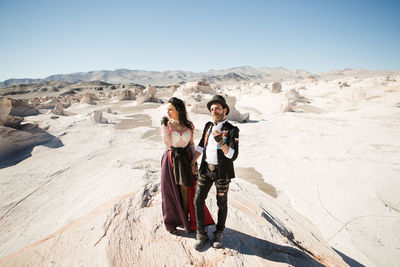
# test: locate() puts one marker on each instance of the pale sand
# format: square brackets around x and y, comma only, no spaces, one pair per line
[138,120]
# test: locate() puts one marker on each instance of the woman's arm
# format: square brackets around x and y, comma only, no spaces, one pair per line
[166,135]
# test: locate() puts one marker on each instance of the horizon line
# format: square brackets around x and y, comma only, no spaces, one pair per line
[159,71]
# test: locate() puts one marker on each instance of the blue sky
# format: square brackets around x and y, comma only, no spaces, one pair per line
[40,38]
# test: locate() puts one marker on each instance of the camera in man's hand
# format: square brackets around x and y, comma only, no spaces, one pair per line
[164,121]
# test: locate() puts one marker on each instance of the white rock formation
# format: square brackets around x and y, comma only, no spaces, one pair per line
[91,96]
[97,116]
[87,100]
[22,108]
[5,107]
[147,95]
[35,102]
[59,109]
[234,114]
[47,103]
[129,230]
[126,95]
[276,87]
[197,103]
[194,87]
[15,140]
[293,98]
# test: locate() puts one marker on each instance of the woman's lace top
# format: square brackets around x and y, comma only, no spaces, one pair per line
[175,137]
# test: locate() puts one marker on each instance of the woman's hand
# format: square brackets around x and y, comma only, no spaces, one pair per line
[164,121]
[195,169]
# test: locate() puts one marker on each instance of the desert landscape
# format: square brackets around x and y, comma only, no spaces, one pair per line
[316,184]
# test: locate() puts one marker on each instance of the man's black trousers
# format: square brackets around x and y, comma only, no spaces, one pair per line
[204,183]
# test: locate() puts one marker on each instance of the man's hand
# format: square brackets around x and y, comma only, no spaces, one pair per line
[218,138]
[216,133]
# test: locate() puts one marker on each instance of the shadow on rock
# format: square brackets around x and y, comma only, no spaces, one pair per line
[350,261]
[17,144]
[250,245]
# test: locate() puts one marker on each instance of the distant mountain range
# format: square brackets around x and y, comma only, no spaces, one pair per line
[232,75]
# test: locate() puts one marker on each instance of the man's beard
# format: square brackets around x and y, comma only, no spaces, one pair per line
[218,118]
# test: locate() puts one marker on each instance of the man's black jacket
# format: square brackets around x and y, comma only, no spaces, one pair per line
[230,134]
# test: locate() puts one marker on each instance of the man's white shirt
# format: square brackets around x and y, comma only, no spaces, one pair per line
[212,147]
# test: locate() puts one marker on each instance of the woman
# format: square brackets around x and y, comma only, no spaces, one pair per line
[177,181]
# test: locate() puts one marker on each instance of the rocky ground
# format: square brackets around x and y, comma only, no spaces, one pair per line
[316,174]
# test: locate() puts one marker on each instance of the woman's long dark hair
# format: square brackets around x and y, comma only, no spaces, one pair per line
[182,114]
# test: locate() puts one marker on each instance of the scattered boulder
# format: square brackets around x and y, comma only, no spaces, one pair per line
[59,109]
[70,99]
[276,87]
[35,102]
[97,116]
[48,104]
[389,79]
[87,100]
[342,85]
[91,96]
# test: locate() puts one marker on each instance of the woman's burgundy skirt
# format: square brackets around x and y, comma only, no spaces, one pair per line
[172,208]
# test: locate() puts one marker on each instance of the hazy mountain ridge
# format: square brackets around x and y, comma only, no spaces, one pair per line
[236,74]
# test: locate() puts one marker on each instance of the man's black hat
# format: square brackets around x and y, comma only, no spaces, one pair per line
[220,100]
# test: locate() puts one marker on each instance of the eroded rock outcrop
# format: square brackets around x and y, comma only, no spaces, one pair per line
[97,116]
[293,98]
[197,103]
[129,230]
[195,87]
[59,109]
[234,114]
[5,108]
[12,140]
[276,87]
[22,108]
[147,95]
[126,95]
[48,103]
[87,100]
[91,96]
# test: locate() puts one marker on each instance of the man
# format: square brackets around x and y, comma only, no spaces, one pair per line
[216,166]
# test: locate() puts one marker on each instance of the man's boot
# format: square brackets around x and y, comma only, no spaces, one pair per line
[201,240]
[218,239]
